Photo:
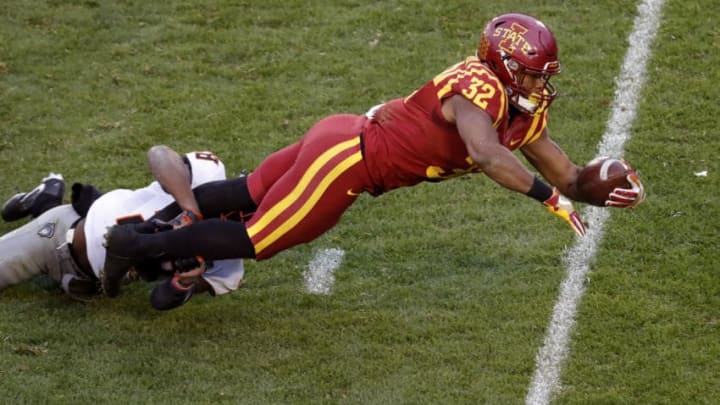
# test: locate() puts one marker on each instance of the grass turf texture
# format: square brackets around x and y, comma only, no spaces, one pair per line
[446,290]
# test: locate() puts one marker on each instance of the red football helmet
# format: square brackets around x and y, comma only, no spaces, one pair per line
[516,45]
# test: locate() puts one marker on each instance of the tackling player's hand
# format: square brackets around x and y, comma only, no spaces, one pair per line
[627,197]
[153,225]
[562,207]
[185,218]
[187,267]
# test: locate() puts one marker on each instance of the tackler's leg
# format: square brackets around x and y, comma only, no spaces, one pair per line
[34,248]
[47,195]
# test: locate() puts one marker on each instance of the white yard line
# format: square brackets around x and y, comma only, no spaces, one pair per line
[550,357]
[320,273]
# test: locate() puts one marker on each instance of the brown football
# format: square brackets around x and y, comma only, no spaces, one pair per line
[599,178]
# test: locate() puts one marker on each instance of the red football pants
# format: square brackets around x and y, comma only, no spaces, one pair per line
[303,189]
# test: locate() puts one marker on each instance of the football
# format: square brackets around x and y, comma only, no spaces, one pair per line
[600,177]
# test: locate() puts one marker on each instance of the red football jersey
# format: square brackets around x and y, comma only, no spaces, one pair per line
[408,140]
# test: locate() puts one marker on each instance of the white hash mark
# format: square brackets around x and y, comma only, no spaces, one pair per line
[550,357]
[320,273]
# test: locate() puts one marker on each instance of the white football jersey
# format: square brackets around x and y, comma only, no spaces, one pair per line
[144,203]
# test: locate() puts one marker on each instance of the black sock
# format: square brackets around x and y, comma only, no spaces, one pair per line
[213,239]
[224,196]
[217,198]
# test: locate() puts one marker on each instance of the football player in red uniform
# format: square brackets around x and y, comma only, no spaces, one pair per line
[467,119]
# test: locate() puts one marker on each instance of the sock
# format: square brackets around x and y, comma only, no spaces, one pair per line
[213,239]
[220,197]
[217,198]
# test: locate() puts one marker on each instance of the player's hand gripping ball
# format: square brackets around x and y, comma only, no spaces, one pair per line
[608,182]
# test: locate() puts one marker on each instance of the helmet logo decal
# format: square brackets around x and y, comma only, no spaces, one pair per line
[513,38]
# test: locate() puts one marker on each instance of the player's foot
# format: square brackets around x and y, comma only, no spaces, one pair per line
[171,293]
[47,195]
[119,258]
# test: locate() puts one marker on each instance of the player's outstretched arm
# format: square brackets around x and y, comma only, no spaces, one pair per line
[554,165]
[501,165]
[483,146]
[552,162]
[169,169]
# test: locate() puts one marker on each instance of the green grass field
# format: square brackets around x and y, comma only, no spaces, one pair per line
[446,290]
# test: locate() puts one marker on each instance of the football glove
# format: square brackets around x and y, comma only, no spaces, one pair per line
[627,197]
[191,265]
[185,218]
[562,207]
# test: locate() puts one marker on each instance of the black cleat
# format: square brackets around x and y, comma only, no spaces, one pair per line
[170,294]
[119,242]
[47,195]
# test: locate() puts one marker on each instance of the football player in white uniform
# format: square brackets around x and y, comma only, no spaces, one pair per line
[66,241]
